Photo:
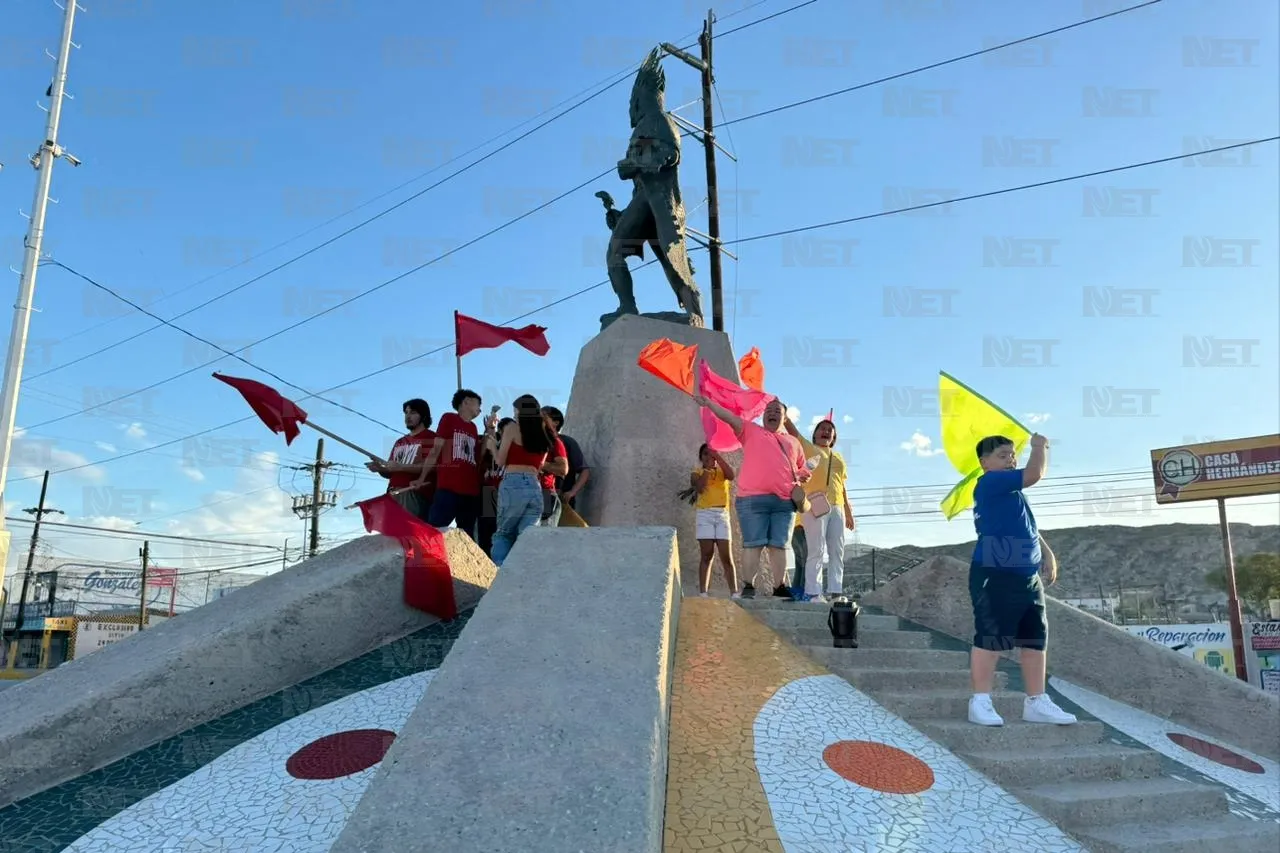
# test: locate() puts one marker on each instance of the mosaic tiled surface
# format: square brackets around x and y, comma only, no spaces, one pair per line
[51,821]
[1208,756]
[769,752]
[727,665]
[248,800]
[818,807]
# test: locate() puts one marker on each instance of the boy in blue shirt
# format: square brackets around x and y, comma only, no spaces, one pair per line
[1004,581]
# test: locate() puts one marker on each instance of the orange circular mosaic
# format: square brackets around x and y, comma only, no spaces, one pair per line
[1215,753]
[878,766]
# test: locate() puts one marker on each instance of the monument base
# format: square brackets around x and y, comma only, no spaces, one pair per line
[641,436]
[677,317]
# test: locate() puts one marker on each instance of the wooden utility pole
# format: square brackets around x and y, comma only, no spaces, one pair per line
[1234,616]
[39,512]
[142,597]
[712,238]
[309,506]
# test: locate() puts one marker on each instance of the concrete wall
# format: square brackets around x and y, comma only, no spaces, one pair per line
[1108,660]
[642,435]
[545,730]
[233,651]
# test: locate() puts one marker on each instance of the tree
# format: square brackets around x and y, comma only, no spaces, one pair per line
[1257,580]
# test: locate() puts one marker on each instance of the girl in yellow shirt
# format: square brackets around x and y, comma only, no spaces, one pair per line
[711,482]
[830,516]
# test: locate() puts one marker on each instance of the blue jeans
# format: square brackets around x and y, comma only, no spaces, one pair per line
[519,508]
[765,520]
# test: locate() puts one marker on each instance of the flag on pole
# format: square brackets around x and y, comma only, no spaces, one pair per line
[428,580]
[281,415]
[472,334]
[751,369]
[967,417]
[671,362]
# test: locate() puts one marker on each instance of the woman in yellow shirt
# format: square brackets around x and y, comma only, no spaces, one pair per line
[830,515]
[711,481]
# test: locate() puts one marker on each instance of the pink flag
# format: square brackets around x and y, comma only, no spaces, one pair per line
[746,404]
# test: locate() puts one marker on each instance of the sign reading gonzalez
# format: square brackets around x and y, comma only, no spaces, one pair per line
[1218,469]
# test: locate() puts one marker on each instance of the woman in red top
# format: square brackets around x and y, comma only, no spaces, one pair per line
[487,523]
[522,451]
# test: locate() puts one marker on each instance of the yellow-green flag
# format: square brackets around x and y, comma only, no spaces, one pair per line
[967,418]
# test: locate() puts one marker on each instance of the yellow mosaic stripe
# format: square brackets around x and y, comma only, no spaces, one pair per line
[728,665]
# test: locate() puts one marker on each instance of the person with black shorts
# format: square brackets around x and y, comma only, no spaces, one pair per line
[1004,582]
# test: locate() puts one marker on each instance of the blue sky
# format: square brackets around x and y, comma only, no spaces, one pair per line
[209,138]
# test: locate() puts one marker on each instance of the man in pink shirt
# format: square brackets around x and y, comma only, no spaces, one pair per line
[772,463]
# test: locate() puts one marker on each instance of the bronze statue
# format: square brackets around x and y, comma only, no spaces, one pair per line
[656,213]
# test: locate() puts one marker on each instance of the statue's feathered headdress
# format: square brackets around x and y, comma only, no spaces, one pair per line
[651,77]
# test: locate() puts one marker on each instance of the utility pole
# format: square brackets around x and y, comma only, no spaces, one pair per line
[145,553]
[711,240]
[310,506]
[39,512]
[42,160]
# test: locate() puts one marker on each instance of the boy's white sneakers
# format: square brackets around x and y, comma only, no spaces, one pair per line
[1041,709]
[983,713]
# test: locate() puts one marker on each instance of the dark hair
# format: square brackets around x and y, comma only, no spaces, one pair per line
[420,408]
[703,449]
[537,434]
[464,394]
[834,434]
[557,416]
[991,444]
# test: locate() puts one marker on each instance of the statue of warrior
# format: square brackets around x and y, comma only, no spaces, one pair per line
[656,213]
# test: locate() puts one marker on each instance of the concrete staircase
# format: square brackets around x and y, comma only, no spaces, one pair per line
[1112,798]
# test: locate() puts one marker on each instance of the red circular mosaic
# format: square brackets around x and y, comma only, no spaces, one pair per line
[1215,753]
[337,755]
[879,767]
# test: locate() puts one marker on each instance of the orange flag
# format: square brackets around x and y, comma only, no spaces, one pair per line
[671,362]
[751,368]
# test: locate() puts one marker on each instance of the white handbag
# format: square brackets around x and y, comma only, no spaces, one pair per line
[819,505]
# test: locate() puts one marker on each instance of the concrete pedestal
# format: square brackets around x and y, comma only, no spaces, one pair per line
[641,436]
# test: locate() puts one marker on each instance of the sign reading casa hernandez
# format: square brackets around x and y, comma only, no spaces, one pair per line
[1217,469]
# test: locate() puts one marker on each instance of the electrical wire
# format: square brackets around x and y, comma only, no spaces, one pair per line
[604,282]
[620,78]
[143,534]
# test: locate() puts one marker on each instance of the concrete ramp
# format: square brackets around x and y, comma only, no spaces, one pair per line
[225,655]
[545,729]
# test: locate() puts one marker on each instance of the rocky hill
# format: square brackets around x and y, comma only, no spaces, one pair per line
[1158,570]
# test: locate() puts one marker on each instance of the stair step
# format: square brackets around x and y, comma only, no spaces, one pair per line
[1024,768]
[871,679]
[1013,735]
[889,658]
[866,639]
[947,704]
[1078,805]
[809,616]
[1236,834]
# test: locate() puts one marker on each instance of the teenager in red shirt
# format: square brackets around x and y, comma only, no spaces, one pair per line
[410,480]
[556,466]
[454,459]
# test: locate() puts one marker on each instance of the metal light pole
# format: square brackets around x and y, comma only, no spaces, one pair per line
[42,160]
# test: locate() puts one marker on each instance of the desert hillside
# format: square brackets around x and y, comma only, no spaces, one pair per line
[1158,569]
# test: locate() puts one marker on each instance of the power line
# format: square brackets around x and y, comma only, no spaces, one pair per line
[621,77]
[653,261]
[147,535]
[506,224]
[940,64]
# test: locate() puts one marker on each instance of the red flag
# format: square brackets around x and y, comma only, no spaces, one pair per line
[428,582]
[278,413]
[471,334]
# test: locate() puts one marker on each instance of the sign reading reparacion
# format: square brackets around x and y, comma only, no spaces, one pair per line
[1218,469]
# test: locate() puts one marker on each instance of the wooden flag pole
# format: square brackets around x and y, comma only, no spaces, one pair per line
[457,353]
[375,457]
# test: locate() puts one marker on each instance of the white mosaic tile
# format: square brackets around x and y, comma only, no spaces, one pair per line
[246,801]
[1154,732]
[815,810]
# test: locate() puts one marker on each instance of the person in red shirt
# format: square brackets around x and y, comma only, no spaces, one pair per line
[556,466]
[409,480]
[453,458]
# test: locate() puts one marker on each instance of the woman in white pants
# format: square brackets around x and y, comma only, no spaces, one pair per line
[830,514]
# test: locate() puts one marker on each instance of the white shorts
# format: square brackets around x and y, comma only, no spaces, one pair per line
[712,524]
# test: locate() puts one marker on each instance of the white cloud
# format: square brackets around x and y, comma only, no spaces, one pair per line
[1036,419]
[105,447]
[920,445]
[32,456]
[848,419]
[134,430]
[194,474]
